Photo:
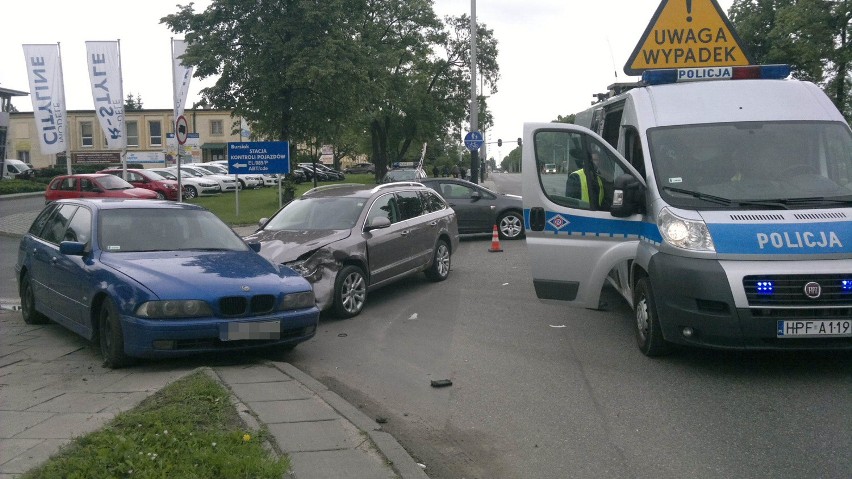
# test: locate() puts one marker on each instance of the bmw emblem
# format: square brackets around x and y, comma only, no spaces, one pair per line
[813,290]
[247,289]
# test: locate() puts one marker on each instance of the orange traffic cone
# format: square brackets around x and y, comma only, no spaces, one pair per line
[495,242]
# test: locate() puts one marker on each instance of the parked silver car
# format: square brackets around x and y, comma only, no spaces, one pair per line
[350,239]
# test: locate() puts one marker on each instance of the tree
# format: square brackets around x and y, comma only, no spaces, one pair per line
[812,36]
[423,68]
[287,66]
[512,161]
[323,72]
[131,104]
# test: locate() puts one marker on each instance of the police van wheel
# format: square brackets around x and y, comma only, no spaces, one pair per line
[649,335]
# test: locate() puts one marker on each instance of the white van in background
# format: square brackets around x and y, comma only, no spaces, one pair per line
[12,168]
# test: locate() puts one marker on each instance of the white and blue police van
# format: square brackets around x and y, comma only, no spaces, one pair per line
[717,202]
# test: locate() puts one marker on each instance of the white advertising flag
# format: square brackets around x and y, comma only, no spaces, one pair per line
[181,74]
[107,92]
[44,68]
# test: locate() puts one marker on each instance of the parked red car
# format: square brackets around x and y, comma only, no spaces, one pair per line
[165,189]
[93,185]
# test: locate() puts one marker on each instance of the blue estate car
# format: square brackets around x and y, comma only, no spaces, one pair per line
[157,279]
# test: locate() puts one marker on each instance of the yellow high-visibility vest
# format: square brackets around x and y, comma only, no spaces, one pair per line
[584,188]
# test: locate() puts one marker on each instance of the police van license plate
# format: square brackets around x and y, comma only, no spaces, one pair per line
[235,331]
[814,328]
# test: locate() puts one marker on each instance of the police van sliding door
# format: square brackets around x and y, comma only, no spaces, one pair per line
[572,239]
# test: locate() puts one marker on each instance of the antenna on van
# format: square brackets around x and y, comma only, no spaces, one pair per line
[612,57]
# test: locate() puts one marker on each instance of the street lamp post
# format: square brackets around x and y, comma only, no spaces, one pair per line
[474,103]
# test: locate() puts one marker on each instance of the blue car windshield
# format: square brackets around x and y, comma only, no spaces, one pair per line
[318,214]
[156,229]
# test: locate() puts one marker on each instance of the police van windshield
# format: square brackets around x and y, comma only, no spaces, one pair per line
[752,165]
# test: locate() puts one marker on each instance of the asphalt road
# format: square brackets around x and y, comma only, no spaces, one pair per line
[542,391]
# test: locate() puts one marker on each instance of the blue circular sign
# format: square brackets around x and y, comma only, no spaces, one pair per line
[473,140]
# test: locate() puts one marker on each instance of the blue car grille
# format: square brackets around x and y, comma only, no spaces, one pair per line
[247,306]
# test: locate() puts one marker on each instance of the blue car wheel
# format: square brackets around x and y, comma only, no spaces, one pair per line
[111,337]
[28,311]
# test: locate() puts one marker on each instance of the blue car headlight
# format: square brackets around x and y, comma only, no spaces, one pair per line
[304,299]
[172,308]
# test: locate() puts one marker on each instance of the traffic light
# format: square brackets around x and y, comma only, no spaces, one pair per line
[519,142]
[499,142]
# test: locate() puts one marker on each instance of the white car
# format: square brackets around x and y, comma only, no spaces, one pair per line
[270,180]
[226,183]
[246,180]
[192,186]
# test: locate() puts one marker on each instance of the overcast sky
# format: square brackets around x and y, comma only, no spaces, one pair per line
[553,54]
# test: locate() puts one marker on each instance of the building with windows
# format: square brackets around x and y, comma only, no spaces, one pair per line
[150,137]
[6,95]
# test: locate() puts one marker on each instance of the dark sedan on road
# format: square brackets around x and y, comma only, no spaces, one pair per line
[157,279]
[479,208]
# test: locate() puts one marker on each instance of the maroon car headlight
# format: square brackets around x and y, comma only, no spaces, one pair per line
[188,308]
[171,187]
[304,299]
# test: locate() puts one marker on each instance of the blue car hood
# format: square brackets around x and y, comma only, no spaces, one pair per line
[200,274]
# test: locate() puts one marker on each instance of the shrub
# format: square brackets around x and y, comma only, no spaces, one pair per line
[9,187]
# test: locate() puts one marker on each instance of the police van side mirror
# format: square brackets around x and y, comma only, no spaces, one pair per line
[628,196]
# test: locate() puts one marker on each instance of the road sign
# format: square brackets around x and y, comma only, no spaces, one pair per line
[473,140]
[260,157]
[181,129]
[687,34]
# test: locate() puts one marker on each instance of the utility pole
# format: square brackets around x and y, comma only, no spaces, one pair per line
[474,102]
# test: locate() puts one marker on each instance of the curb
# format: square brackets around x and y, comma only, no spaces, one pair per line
[243,411]
[399,459]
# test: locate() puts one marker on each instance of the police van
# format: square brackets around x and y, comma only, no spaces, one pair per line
[717,202]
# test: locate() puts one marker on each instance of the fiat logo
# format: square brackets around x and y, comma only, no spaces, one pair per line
[247,289]
[813,290]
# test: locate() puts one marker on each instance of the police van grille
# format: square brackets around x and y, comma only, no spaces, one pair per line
[820,216]
[758,217]
[789,290]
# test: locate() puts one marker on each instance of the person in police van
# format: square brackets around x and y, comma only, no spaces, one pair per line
[578,185]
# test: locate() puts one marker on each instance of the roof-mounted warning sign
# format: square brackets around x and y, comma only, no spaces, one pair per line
[687,34]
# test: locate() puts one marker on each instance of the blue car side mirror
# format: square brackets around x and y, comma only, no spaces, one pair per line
[72,248]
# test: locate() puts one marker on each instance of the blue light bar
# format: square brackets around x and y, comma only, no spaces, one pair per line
[765,288]
[675,75]
[659,77]
[774,72]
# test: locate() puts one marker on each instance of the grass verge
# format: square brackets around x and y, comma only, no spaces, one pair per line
[259,203]
[188,429]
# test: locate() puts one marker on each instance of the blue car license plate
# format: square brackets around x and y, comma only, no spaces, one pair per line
[236,331]
[814,328]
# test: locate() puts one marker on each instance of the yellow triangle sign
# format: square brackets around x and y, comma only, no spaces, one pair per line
[687,34]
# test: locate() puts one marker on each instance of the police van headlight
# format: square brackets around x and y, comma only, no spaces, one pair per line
[683,233]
